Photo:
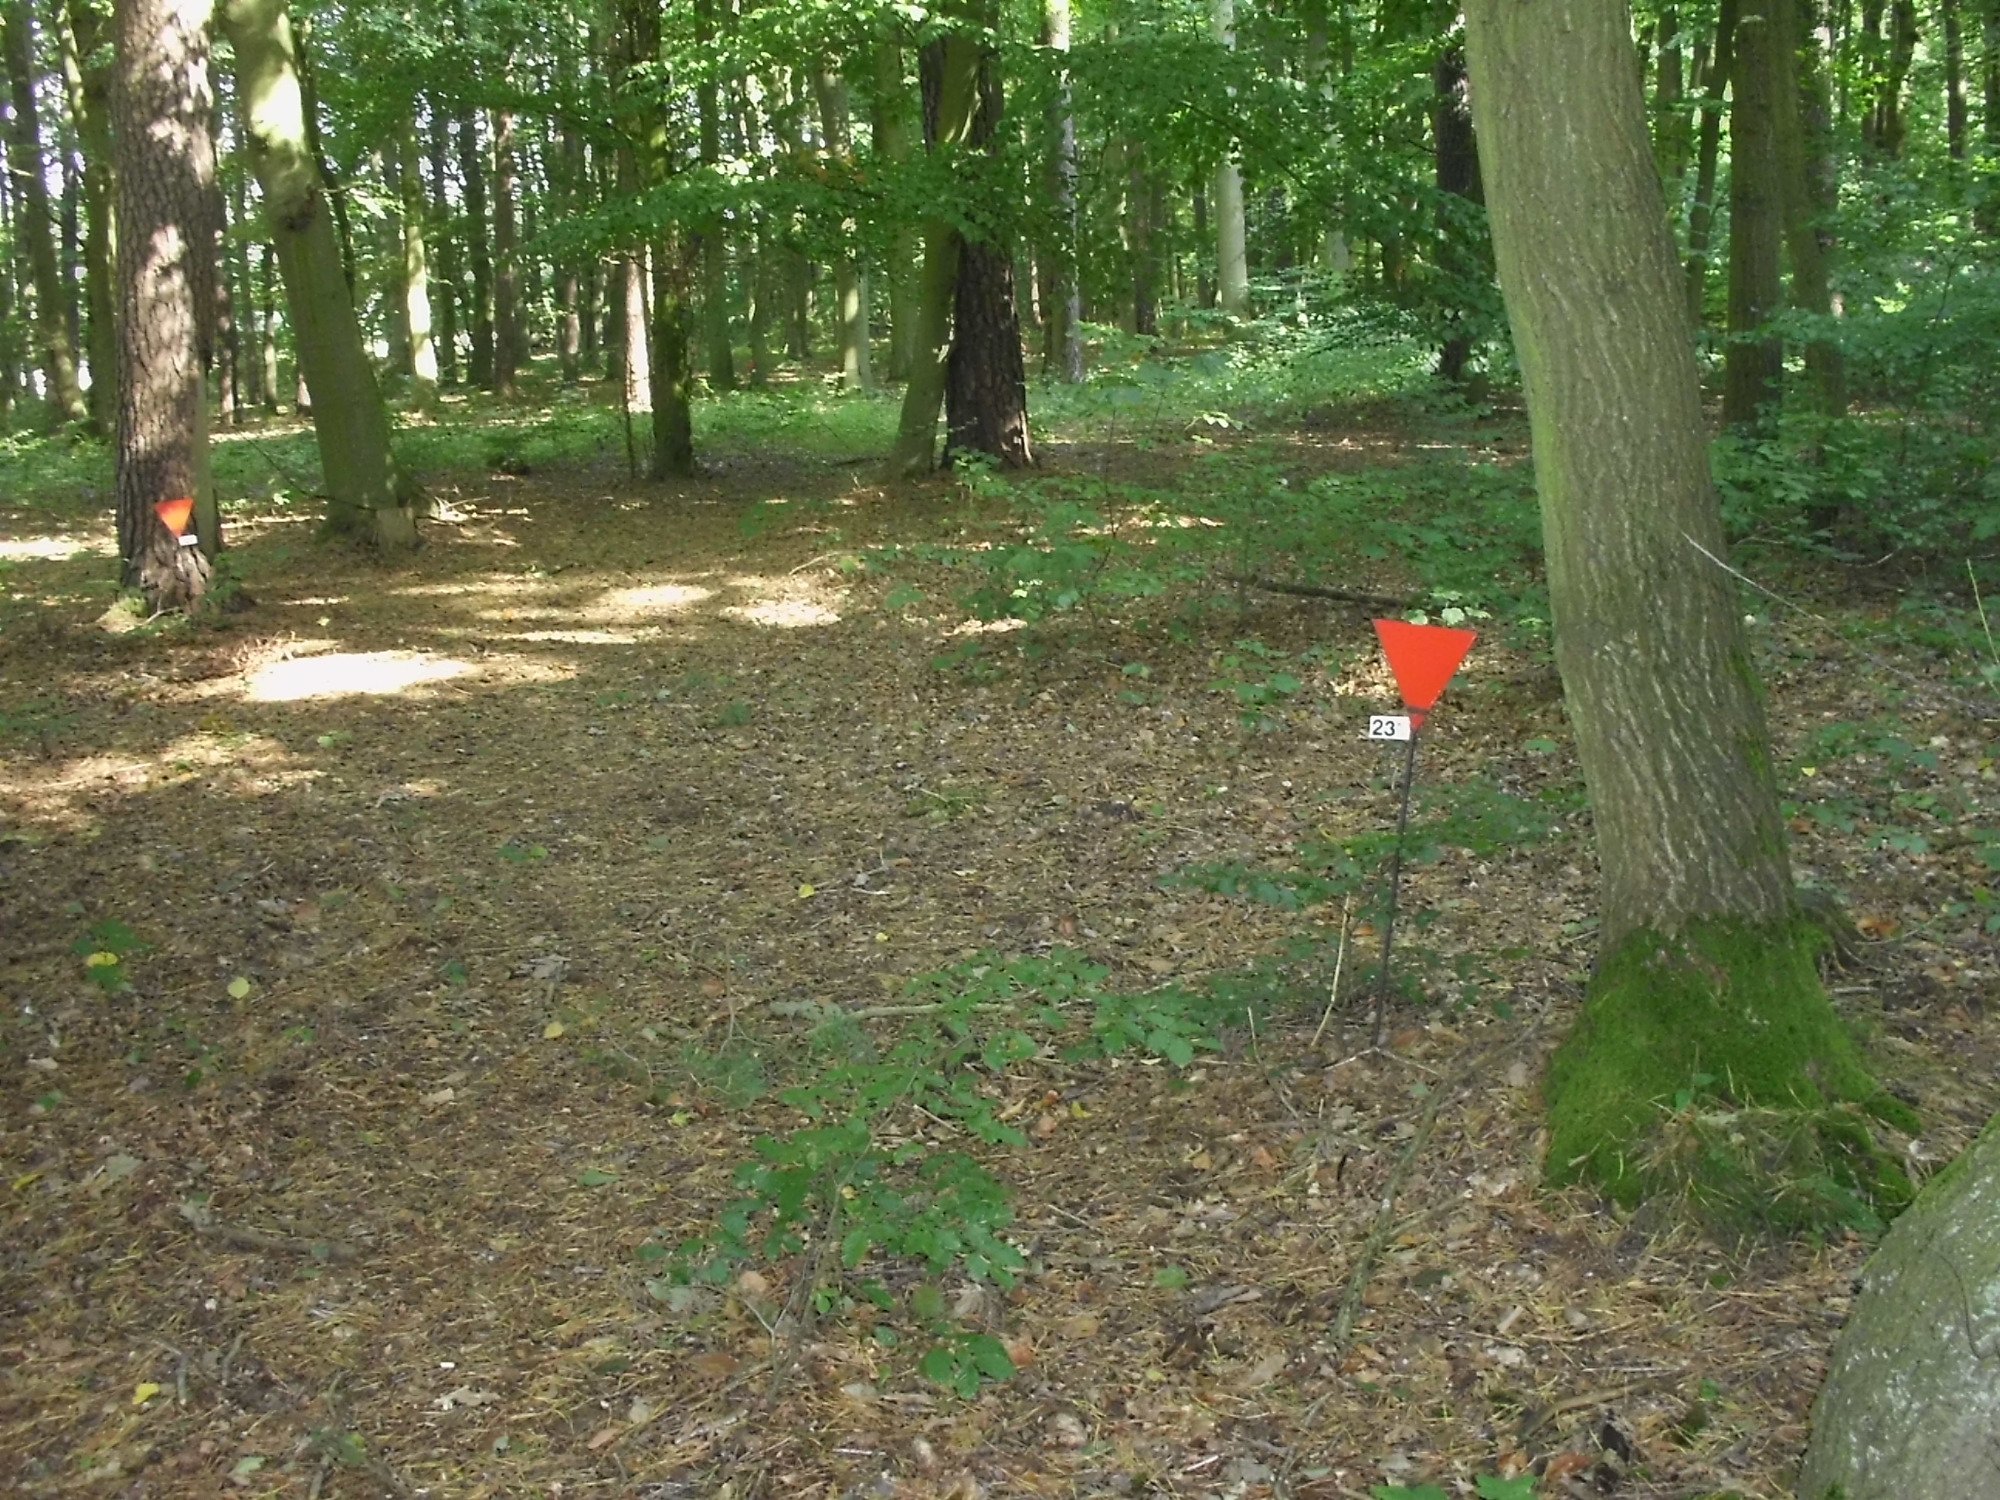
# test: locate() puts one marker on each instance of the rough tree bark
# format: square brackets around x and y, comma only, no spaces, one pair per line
[166,172]
[34,230]
[1706,969]
[365,495]
[1754,362]
[1912,1399]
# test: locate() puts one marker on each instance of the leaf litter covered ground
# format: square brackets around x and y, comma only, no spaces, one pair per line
[389,966]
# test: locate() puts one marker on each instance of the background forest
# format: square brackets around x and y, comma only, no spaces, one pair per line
[738,856]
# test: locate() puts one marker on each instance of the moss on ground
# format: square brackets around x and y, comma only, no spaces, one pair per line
[1712,1065]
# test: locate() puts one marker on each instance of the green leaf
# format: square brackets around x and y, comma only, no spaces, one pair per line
[1408,1492]
[1492,1487]
[596,1177]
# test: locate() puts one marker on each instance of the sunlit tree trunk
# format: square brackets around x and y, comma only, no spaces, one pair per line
[1062,301]
[1232,256]
[711,244]
[416,286]
[569,283]
[349,418]
[267,325]
[670,372]
[949,71]
[166,173]
[1754,362]
[444,286]
[1705,968]
[34,229]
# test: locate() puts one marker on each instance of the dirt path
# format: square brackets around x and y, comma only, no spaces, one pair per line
[468,915]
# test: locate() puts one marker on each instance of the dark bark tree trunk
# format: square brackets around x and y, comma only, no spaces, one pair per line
[1456,156]
[986,387]
[1955,118]
[445,289]
[1705,969]
[90,103]
[1805,165]
[478,248]
[711,247]
[34,228]
[1754,363]
[166,175]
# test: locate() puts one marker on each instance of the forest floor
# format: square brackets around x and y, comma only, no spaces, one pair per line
[395,968]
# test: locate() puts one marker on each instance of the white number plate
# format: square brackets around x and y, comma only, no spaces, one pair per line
[1388,726]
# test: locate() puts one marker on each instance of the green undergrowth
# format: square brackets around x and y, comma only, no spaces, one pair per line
[890,1183]
[1712,1070]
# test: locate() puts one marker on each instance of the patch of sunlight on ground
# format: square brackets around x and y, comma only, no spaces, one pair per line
[650,599]
[787,603]
[987,627]
[44,549]
[349,673]
[491,583]
[583,637]
[70,795]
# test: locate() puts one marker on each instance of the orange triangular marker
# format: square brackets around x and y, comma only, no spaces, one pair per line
[175,514]
[1423,657]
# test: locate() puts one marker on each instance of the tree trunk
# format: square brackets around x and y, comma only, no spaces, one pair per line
[1672,126]
[508,344]
[478,248]
[671,376]
[894,142]
[416,278]
[34,230]
[1705,969]
[444,287]
[1701,212]
[349,419]
[1805,167]
[1232,259]
[1754,362]
[267,324]
[1912,1397]
[1954,82]
[986,388]
[569,283]
[166,173]
[1062,348]
[850,277]
[711,243]
[88,76]
[1457,163]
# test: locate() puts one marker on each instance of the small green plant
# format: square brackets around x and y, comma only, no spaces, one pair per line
[104,949]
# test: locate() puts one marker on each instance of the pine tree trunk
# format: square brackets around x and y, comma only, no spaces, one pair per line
[1754,362]
[1705,970]
[1232,262]
[949,70]
[166,173]
[349,418]
[478,248]
[507,340]
[1062,348]
[34,230]
[1701,212]
[89,80]
[416,269]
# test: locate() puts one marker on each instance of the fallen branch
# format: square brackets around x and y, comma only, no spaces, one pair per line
[244,1237]
[1317,591]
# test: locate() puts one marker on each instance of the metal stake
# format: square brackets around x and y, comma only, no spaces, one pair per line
[1395,888]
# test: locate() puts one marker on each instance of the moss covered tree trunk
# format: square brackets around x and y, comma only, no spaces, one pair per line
[1706,971]
[1911,1404]
[349,419]
[166,172]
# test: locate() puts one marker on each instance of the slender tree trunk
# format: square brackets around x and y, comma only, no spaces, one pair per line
[507,340]
[416,286]
[1232,277]
[670,371]
[949,69]
[711,243]
[88,76]
[1955,119]
[1673,127]
[1701,213]
[570,350]
[1705,969]
[267,321]
[986,386]
[349,418]
[895,141]
[1062,348]
[1754,363]
[166,174]
[445,291]
[34,230]
[478,248]
[850,277]
[1806,173]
